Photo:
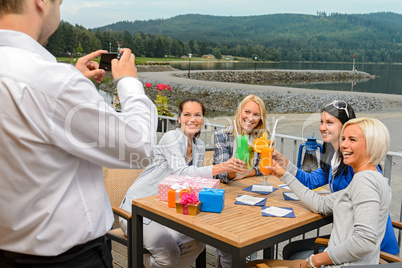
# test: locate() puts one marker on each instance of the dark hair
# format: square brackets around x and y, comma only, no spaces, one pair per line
[181,105]
[338,110]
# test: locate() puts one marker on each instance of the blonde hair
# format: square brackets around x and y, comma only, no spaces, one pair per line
[376,135]
[261,127]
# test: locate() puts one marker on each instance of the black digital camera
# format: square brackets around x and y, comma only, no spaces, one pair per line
[106,59]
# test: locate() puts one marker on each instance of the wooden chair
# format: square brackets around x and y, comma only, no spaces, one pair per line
[117,182]
[208,157]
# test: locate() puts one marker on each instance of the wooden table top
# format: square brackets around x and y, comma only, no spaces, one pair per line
[238,225]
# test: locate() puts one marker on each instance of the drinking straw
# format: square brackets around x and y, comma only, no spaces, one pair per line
[234,125]
[273,133]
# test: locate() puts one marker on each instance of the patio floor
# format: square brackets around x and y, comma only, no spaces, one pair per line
[119,253]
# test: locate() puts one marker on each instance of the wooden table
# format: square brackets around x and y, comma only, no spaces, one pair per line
[239,230]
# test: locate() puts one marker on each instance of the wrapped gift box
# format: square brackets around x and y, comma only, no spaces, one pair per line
[188,209]
[196,184]
[213,200]
[174,195]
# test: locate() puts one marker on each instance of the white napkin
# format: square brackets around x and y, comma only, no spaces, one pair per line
[280,212]
[249,200]
[284,186]
[261,188]
[292,196]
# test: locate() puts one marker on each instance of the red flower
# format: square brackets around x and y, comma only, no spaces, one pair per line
[148,85]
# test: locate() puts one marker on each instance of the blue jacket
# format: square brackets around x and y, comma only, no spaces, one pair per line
[319,178]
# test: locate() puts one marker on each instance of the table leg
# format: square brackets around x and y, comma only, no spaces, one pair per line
[269,253]
[201,261]
[238,260]
[137,239]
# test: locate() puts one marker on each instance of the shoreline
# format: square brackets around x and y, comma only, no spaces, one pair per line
[177,79]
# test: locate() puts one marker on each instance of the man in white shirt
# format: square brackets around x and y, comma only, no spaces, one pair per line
[56,133]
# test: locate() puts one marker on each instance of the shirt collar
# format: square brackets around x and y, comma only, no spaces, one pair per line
[23,41]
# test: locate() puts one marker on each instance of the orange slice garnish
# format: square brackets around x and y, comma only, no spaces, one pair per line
[261,143]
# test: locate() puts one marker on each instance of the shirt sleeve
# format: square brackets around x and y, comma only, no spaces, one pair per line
[222,148]
[311,180]
[317,203]
[87,127]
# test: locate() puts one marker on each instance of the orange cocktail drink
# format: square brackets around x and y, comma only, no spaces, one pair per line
[263,147]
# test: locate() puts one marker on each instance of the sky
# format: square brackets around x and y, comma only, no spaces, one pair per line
[96,13]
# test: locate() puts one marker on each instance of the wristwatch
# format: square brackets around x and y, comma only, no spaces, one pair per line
[310,262]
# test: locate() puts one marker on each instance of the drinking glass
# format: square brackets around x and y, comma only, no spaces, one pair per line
[242,152]
[265,160]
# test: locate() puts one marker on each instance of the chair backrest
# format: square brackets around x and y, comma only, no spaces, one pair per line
[117,182]
[208,157]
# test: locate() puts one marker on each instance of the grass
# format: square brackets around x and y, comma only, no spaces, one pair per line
[147,61]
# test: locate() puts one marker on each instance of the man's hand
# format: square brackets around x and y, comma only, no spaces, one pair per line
[125,66]
[89,68]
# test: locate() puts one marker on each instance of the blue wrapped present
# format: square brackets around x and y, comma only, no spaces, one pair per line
[213,200]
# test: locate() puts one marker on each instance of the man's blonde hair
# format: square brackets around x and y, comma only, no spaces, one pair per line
[11,6]
[376,135]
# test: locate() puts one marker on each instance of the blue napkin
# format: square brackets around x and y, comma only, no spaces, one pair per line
[290,214]
[248,189]
[262,203]
[288,196]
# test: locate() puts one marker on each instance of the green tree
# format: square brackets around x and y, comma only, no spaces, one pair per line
[79,49]
[217,53]
[160,50]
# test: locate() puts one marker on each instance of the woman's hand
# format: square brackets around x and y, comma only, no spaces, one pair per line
[234,165]
[277,169]
[89,68]
[303,264]
[280,159]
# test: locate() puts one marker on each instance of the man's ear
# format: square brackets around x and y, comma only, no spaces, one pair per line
[40,4]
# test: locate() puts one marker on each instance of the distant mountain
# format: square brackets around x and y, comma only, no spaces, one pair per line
[265,29]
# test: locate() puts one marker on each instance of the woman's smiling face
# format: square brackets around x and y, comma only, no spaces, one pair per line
[330,129]
[354,149]
[191,118]
[250,116]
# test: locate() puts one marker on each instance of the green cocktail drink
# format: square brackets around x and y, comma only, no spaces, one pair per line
[242,152]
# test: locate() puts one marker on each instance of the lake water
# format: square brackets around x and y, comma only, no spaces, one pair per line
[389,81]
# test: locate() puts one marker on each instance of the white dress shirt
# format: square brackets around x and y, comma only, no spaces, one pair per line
[56,133]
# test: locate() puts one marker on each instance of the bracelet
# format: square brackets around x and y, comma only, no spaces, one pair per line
[121,77]
[309,261]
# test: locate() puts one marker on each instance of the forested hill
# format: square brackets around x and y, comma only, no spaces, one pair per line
[374,37]
[266,29]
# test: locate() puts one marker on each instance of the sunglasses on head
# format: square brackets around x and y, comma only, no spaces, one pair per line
[340,105]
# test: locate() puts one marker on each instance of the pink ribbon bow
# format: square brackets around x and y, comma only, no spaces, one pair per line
[188,199]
